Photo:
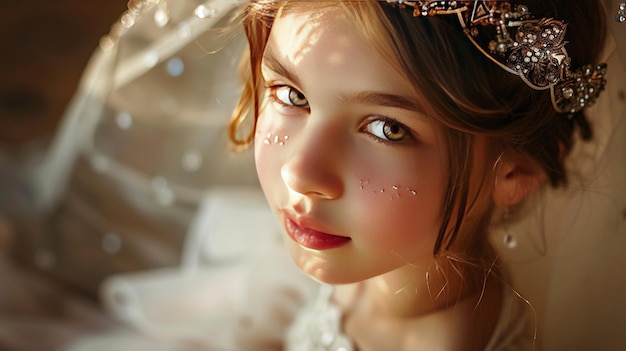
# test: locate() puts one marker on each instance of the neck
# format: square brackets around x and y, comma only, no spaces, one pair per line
[412,291]
[443,304]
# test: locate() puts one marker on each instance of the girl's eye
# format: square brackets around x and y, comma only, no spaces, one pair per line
[388,130]
[289,96]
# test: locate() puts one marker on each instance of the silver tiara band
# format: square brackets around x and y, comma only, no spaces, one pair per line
[533,49]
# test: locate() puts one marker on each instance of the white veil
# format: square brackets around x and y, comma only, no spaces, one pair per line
[142,145]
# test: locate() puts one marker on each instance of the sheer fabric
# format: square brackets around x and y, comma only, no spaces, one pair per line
[142,145]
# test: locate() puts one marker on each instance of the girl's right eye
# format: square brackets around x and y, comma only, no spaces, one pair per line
[288,96]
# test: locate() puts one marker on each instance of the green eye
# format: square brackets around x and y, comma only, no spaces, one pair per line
[290,97]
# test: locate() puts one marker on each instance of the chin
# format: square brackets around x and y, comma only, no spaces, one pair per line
[319,269]
[331,279]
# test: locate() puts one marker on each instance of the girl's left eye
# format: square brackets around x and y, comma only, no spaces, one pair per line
[289,96]
[388,130]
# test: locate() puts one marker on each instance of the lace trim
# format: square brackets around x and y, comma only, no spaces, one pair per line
[318,328]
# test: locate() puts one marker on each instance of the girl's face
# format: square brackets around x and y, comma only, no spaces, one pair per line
[353,169]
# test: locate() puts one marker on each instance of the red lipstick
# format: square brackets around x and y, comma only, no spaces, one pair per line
[313,239]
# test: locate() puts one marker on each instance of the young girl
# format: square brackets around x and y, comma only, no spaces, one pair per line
[388,136]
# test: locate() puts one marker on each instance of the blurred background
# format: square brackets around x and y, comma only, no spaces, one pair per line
[46,44]
[45,47]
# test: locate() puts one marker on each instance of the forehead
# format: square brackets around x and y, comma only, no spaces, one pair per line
[296,33]
[327,38]
[366,17]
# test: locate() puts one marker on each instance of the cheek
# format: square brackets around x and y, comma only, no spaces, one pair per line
[400,209]
[270,143]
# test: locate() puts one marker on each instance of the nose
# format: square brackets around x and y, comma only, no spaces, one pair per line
[314,168]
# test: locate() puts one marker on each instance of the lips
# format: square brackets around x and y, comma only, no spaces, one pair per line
[312,239]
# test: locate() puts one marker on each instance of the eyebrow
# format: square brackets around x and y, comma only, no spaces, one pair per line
[271,62]
[365,97]
[388,100]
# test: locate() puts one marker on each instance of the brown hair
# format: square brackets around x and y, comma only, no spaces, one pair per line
[466,92]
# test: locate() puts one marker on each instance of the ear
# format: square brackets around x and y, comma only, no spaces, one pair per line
[516,178]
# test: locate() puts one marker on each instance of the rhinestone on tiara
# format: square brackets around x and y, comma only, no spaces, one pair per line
[533,49]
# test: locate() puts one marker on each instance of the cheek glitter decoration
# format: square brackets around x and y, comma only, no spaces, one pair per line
[275,139]
[397,191]
[364,183]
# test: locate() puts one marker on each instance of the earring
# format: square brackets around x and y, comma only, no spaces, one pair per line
[509,239]
[621,13]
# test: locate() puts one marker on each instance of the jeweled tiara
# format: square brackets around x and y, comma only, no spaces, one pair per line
[533,49]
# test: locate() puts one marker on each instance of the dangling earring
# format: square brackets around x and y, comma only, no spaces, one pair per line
[509,239]
[621,13]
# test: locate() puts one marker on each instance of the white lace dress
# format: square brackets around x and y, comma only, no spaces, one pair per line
[318,326]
